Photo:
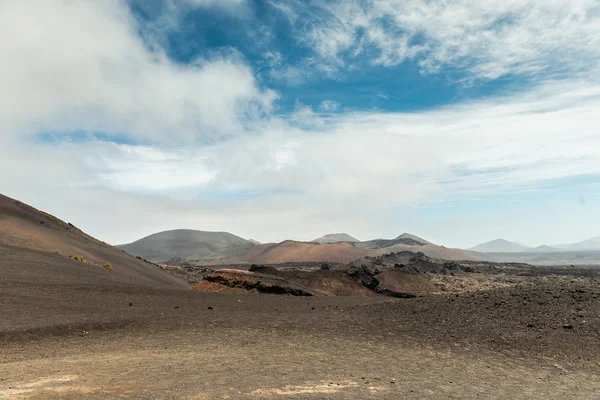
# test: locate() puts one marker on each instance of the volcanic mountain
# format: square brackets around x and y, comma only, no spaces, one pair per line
[408,236]
[186,244]
[335,238]
[589,244]
[543,249]
[500,246]
[42,248]
[219,248]
[404,239]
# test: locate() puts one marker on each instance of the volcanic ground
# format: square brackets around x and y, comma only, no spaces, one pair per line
[69,338]
[73,329]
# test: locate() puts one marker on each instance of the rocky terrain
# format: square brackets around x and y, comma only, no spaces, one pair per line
[534,339]
[402,274]
[399,325]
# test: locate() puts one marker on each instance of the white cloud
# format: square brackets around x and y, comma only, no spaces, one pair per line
[489,39]
[329,106]
[82,65]
[352,172]
[142,168]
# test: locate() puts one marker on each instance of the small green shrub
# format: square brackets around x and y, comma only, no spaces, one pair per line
[109,266]
[78,258]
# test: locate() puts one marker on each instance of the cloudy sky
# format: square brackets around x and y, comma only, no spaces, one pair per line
[459,121]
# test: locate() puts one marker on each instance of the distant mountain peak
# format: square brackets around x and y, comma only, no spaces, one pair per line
[410,236]
[589,244]
[499,246]
[543,249]
[335,238]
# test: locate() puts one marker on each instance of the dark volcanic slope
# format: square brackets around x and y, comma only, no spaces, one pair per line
[54,242]
[188,244]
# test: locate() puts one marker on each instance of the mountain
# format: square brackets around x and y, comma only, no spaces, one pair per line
[500,246]
[335,238]
[589,244]
[186,244]
[542,249]
[42,248]
[410,237]
[404,239]
[254,241]
[220,248]
[292,251]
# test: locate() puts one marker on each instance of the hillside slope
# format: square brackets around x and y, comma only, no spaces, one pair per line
[292,251]
[24,227]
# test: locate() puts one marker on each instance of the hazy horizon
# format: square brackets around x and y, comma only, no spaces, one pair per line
[369,238]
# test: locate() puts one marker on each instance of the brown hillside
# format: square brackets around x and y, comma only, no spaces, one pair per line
[24,227]
[291,251]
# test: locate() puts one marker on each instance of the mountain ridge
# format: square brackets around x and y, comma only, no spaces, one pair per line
[505,246]
[499,246]
[205,247]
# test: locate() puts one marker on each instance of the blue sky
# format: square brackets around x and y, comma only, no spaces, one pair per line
[273,119]
[270,41]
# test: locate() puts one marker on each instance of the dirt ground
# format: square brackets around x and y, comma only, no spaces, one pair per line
[74,338]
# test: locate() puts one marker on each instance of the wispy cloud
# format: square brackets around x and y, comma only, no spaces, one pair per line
[488,39]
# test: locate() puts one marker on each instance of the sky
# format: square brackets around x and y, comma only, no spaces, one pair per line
[458,121]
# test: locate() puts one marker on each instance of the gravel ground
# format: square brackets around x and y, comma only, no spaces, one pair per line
[71,338]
